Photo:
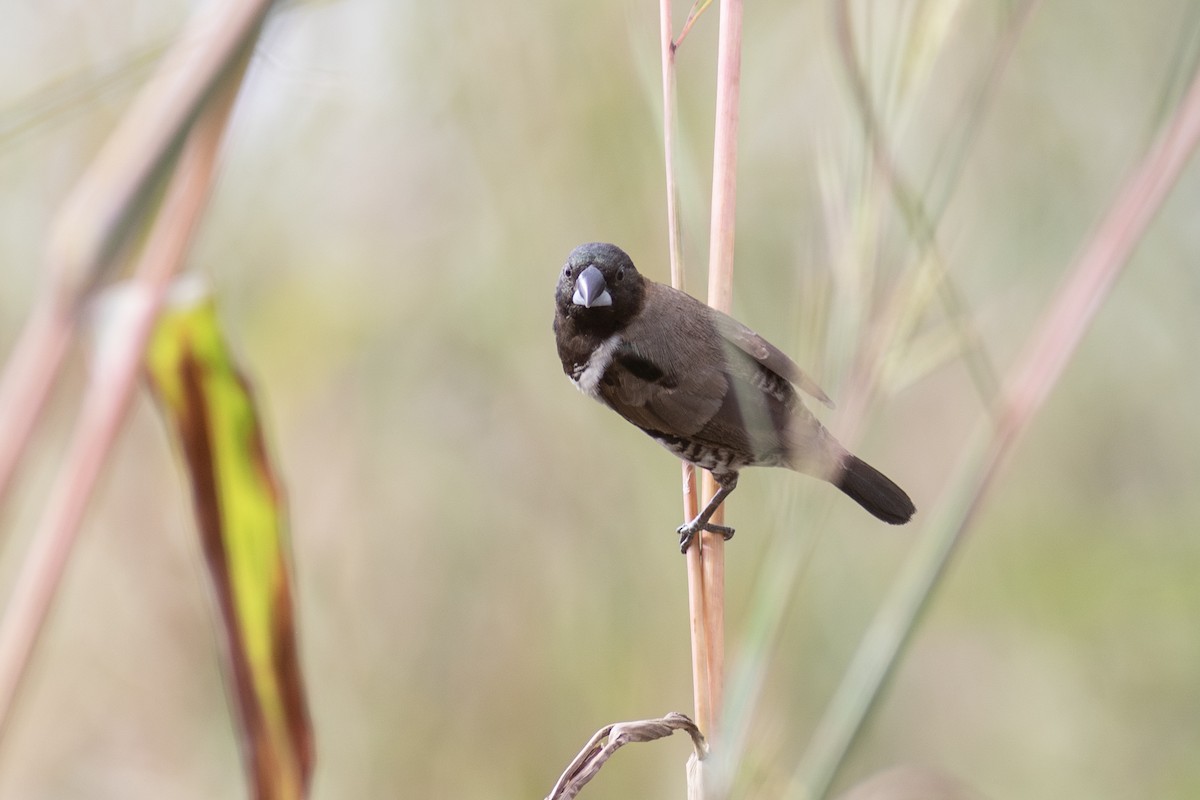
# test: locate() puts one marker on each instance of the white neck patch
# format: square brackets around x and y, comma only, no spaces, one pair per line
[597,364]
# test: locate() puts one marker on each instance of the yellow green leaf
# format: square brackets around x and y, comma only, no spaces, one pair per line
[240,515]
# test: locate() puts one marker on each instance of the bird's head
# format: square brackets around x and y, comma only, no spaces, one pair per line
[599,286]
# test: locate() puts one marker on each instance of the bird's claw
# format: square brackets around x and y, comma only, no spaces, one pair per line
[725,531]
[687,532]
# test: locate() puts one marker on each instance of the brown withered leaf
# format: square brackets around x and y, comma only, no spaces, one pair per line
[240,514]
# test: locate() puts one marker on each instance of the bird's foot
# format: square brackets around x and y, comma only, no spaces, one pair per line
[687,532]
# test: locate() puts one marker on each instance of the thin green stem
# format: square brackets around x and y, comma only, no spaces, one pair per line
[1046,354]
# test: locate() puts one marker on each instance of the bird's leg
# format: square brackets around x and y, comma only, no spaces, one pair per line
[687,532]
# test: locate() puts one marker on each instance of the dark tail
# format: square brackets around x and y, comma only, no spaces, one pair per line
[875,492]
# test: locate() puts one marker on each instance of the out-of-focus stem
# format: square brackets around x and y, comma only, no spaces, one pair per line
[28,379]
[105,208]
[106,401]
[1046,353]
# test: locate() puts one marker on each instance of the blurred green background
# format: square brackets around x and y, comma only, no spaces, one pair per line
[486,560]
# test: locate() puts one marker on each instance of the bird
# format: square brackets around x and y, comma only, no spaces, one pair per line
[703,385]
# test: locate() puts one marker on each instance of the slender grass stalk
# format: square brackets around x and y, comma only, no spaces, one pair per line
[924,229]
[696,618]
[720,296]
[706,558]
[789,556]
[1035,374]
[55,103]
[698,8]
[668,98]
[80,263]
[102,213]
[28,378]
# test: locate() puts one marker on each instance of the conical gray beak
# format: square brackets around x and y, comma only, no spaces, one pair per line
[590,289]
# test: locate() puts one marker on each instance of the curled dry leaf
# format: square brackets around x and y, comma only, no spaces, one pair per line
[610,738]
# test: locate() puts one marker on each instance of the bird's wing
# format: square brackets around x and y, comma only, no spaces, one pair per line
[698,393]
[647,385]
[672,374]
[767,354]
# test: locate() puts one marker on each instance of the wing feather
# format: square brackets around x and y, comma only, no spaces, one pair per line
[732,390]
[645,385]
[768,355]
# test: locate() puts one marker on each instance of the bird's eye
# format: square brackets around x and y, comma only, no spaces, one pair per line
[620,275]
[567,270]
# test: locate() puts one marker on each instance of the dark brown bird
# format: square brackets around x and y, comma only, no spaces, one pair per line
[700,383]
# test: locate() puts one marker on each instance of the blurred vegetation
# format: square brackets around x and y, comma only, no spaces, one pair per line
[486,566]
